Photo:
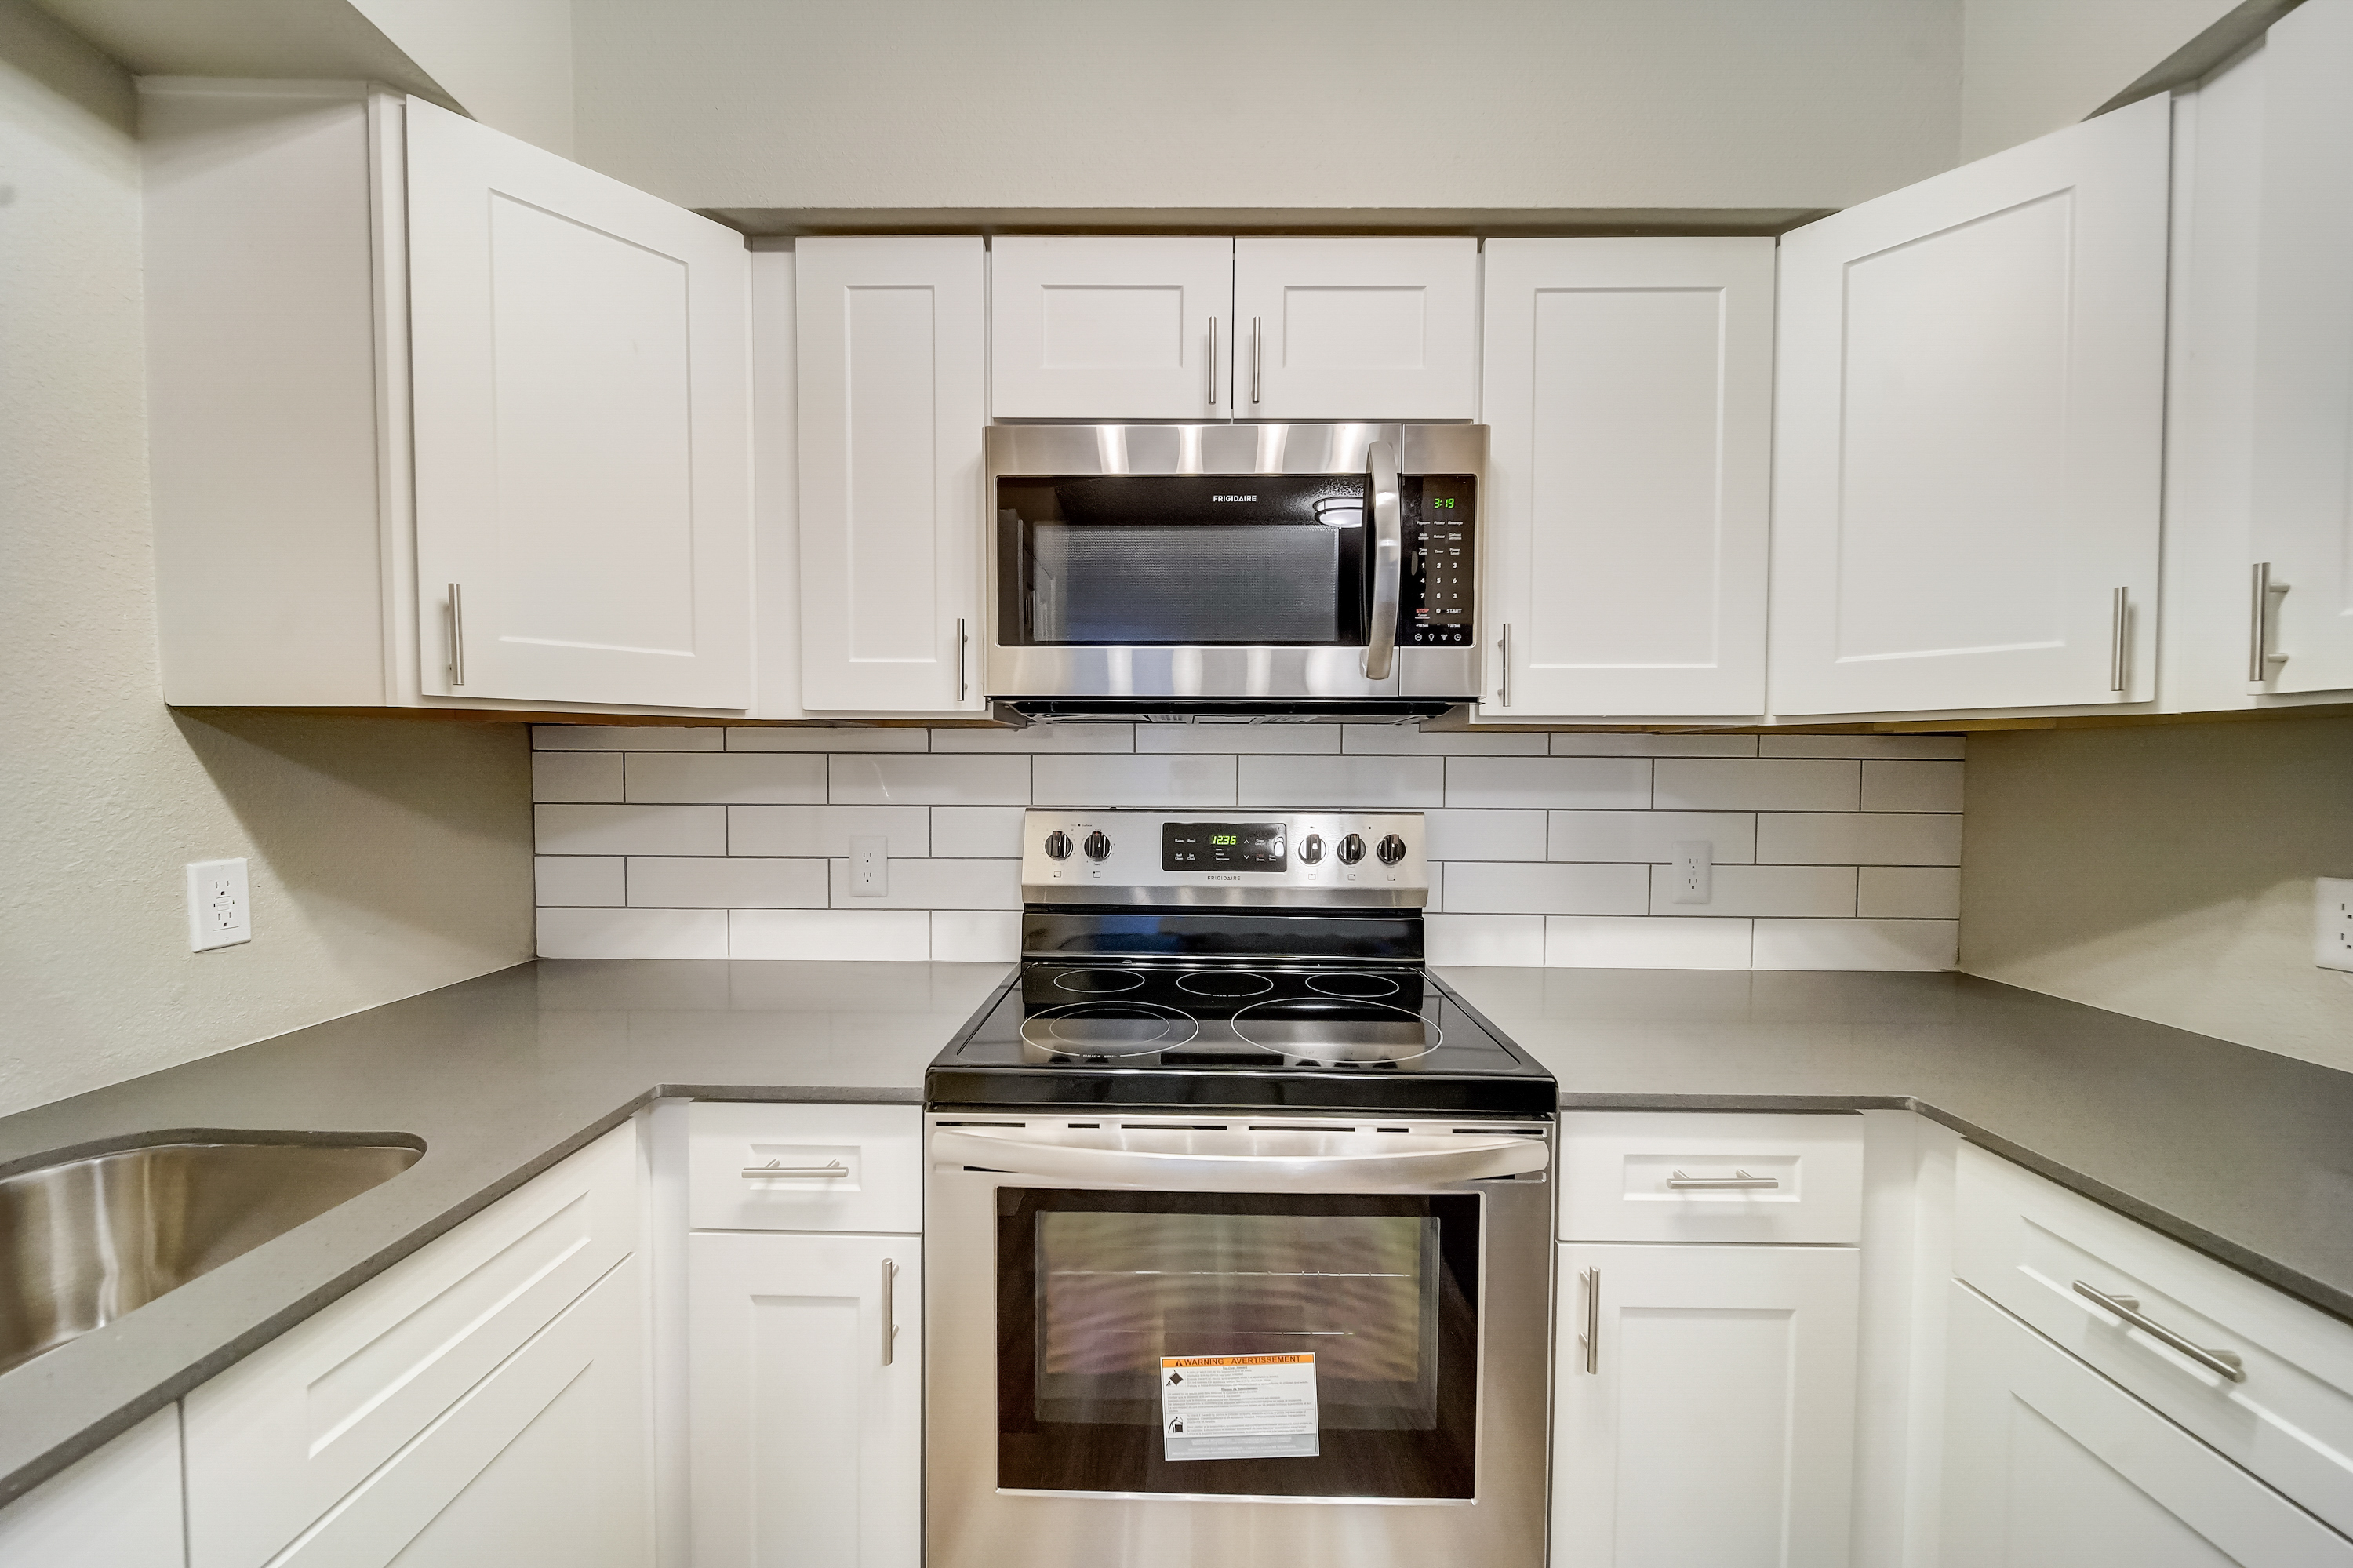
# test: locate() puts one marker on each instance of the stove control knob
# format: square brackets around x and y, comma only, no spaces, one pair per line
[1098,845]
[1311,849]
[1352,850]
[1058,845]
[1391,850]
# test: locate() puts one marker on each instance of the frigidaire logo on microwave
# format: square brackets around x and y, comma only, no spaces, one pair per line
[1234,498]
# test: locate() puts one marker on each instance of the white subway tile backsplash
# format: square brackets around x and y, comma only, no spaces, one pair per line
[627,737]
[826,831]
[975,833]
[975,937]
[580,881]
[1623,942]
[936,884]
[827,737]
[954,780]
[1909,891]
[1744,890]
[1855,945]
[1346,783]
[1600,783]
[577,776]
[1082,737]
[1693,784]
[630,829]
[1649,837]
[727,778]
[1486,835]
[1600,743]
[1175,782]
[1546,887]
[1406,741]
[1516,941]
[1900,745]
[882,935]
[633,933]
[1240,739]
[1911,786]
[1852,838]
[719,881]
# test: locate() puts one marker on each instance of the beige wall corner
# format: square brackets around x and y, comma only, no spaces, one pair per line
[509,62]
[2165,873]
[2030,67]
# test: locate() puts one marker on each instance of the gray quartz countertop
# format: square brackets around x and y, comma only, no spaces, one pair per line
[2245,1155]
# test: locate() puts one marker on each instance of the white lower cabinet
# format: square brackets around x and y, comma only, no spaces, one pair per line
[806,1380]
[2049,1464]
[119,1508]
[1716,1423]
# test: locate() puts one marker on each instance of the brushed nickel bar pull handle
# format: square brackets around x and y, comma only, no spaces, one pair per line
[1255,357]
[1738,1182]
[963,683]
[890,1328]
[832,1169]
[2266,593]
[2222,1364]
[1213,362]
[1591,1337]
[2119,617]
[457,635]
[1503,653]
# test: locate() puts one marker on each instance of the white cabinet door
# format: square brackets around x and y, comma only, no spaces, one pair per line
[1969,445]
[2304,364]
[1359,328]
[1629,384]
[119,1508]
[893,401]
[582,420]
[806,1378]
[1717,1423]
[1111,328]
[2049,1464]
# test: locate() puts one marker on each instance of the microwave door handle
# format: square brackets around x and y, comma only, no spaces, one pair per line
[1388,557]
[1416,1163]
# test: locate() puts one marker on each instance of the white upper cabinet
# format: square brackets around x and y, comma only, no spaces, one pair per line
[583,506]
[2302,500]
[893,397]
[1969,441]
[1629,384]
[1356,328]
[1111,328]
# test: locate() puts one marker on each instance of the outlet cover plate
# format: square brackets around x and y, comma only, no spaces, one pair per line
[2332,922]
[220,913]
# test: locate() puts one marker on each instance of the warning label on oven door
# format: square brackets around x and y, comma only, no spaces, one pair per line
[1238,1407]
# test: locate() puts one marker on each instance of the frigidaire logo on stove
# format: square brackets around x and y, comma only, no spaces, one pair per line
[1234,498]
[1220,876]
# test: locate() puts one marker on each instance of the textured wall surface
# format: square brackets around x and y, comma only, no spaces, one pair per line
[2167,873]
[1832,851]
[388,856]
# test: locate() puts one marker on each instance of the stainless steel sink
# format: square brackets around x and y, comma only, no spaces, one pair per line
[86,1238]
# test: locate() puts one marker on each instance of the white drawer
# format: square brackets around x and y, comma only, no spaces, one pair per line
[280,1438]
[2026,1243]
[1710,1176]
[877,1151]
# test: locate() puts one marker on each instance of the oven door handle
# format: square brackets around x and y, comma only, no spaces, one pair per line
[1381,488]
[1407,1162]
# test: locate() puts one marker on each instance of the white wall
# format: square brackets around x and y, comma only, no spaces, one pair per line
[388,856]
[1231,103]
[508,62]
[2165,873]
[2029,67]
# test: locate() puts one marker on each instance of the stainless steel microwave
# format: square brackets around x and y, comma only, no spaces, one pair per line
[1234,570]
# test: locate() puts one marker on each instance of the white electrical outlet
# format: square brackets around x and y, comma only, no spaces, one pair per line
[219,913]
[2332,927]
[870,865]
[1695,878]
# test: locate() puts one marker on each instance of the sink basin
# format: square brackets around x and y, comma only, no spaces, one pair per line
[86,1238]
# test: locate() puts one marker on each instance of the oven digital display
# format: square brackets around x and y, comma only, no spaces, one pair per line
[1223,846]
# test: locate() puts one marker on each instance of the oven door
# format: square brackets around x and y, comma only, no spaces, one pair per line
[1231,1321]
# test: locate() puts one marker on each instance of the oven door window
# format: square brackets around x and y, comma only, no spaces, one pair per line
[1181,560]
[1095,1287]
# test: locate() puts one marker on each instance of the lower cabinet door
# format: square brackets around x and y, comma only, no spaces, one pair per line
[119,1508]
[2049,1464]
[1716,1423]
[805,1372]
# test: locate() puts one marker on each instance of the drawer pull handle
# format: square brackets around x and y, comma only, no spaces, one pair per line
[1738,1182]
[831,1168]
[2222,1364]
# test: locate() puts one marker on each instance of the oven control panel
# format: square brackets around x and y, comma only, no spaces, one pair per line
[1293,859]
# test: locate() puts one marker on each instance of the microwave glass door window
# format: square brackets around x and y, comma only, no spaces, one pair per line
[1440,561]
[1223,846]
[1181,560]
[1095,1287]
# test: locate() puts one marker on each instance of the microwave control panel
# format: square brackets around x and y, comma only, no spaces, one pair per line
[1436,605]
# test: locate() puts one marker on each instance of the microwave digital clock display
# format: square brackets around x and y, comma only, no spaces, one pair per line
[1223,846]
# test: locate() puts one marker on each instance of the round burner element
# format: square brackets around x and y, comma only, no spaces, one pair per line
[1337,1030]
[1102,1030]
[1352,985]
[1225,983]
[1097,982]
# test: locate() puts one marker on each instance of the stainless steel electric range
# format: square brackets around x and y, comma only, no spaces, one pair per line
[1239,1225]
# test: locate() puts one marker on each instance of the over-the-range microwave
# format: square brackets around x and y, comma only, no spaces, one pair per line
[1246,571]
